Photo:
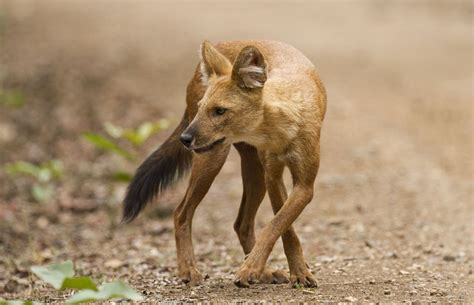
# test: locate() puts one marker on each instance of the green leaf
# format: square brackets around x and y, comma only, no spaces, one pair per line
[163,124]
[61,276]
[22,167]
[113,130]
[54,274]
[19,302]
[55,167]
[41,193]
[145,130]
[105,144]
[11,98]
[81,283]
[132,137]
[121,176]
[43,173]
[138,136]
[106,292]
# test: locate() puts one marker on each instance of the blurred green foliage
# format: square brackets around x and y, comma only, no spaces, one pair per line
[44,175]
[116,138]
[139,135]
[11,98]
[61,276]
[106,291]
[18,302]
[45,172]
[106,144]
[121,176]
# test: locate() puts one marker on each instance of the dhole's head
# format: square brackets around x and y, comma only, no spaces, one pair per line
[231,108]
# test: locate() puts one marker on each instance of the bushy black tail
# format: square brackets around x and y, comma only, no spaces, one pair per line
[160,170]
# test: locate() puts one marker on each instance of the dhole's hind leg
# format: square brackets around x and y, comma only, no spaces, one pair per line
[204,169]
[253,181]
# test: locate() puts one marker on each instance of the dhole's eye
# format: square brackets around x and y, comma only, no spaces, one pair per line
[219,111]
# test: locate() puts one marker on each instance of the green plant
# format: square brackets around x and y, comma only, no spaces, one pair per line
[116,138]
[18,302]
[61,276]
[139,135]
[106,144]
[11,98]
[44,175]
[106,291]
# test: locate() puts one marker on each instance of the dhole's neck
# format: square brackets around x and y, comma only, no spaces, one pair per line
[276,130]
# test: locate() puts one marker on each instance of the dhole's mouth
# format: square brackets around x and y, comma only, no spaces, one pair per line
[209,147]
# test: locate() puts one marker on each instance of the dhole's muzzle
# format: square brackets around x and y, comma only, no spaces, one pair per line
[190,141]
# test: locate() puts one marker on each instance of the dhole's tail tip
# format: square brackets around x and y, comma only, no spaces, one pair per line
[127,219]
[128,213]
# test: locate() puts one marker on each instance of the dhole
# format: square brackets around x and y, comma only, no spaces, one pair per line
[266,99]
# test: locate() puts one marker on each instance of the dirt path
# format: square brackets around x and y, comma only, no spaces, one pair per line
[392,216]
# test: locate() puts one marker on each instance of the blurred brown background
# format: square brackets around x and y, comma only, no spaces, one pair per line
[392,215]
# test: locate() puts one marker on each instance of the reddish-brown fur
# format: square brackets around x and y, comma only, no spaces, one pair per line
[273,105]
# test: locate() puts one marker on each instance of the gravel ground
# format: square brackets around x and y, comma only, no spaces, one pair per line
[391,220]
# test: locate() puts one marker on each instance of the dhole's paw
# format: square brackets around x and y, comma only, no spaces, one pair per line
[273,276]
[303,279]
[191,277]
[246,276]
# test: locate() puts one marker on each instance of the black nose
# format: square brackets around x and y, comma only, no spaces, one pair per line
[186,139]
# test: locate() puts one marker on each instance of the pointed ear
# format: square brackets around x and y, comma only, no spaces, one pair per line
[213,62]
[249,68]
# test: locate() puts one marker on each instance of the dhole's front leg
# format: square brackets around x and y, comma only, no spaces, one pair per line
[299,272]
[253,180]
[204,169]
[304,174]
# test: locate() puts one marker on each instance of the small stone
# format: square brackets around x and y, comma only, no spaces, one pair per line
[79,205]
[391,255]
[372,282]
[114,263]
[449,258]
[438,293]
[387,292]
[7,132]
[350,299]
[413,292]
[42,222]
[328,259]
[307,291]
[403,272]
[335,222]
[415,267]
